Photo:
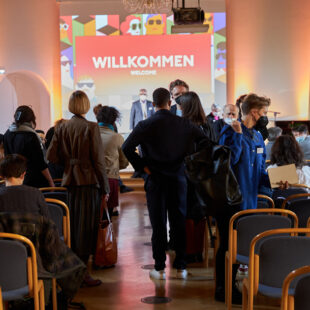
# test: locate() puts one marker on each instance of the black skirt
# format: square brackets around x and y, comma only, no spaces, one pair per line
[84,204]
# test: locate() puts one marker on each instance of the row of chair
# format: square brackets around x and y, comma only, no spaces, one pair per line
[269,259]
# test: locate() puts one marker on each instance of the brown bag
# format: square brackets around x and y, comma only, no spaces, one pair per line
[106,250]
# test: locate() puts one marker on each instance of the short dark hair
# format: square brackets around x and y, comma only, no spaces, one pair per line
[161,97]
[192,108]
[285,151]
[177,82]
[13,165]
[24,114]
[274,133]
[253,101]
[302,129]
[108,115]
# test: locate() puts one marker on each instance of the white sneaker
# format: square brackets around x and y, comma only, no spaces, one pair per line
[182,274]
[158,275]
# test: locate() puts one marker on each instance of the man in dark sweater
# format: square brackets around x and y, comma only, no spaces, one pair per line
[165,140]
[16,197]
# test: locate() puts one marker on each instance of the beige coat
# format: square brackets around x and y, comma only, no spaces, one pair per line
[77,145]
[113,154]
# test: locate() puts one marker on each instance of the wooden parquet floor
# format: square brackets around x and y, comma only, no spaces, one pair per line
[125,285]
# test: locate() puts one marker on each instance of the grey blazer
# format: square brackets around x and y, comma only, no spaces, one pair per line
[136,114]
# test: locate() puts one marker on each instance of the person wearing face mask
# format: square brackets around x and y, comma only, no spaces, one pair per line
[230,114]
[177,88]
[304,140]
[248,152]
[248,157]
[140,109]
[215,113]
[22,139]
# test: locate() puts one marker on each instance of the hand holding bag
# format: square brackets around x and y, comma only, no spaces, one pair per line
[106,250]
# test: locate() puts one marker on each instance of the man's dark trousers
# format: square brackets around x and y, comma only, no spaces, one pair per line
[167,194]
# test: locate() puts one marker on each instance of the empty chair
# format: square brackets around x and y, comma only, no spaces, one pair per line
[298,299]
[59,193]
[60,215]
[264,201]
[18,270]
[243,227]
[273,255]
[300,205]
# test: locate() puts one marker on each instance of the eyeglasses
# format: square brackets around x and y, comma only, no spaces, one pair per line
[135,26]
[89,85]
[152,21]
[66,62]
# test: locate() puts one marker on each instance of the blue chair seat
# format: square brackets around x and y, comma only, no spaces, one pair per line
[275,292]
[15,294]
[242,259]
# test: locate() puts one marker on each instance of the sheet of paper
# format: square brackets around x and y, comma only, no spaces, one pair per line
[283,173]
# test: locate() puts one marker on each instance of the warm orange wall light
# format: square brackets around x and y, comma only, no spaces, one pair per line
[302,100]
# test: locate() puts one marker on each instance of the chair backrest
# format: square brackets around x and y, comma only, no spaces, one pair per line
[18,261]
[300,206]
[279,255]
[274,254]
[249,226]
[57,215]
[300,297]
[280,195]
[264,201]
[302,293]
[59,193]
[13,265]
[245,225]
[61,216]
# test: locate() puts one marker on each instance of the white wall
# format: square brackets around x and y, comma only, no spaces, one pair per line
[268,48]
[29,40]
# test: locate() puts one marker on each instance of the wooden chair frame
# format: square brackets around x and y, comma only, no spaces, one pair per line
[287,302]
[267,198]
[1,302]
[36,286]
[294,197]
[231,254]
[53,189]
[66,219]
[67,240]
[250,284]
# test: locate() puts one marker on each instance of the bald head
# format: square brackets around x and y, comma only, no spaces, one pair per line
[230,111]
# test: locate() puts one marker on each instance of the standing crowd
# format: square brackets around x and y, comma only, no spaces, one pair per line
[87,156]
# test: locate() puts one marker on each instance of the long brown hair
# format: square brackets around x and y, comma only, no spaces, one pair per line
[285,151]
[192,108]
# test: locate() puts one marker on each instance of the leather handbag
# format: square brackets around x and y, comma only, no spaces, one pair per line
[210,171]
[106,250]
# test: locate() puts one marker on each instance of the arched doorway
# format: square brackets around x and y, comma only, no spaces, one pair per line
[24,88]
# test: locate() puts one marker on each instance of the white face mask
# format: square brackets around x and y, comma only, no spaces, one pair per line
[143,97]
[215,113]
[229,121]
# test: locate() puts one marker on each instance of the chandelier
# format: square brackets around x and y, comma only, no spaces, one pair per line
[147,6]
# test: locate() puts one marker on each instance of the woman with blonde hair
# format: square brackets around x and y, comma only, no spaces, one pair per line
[77,146]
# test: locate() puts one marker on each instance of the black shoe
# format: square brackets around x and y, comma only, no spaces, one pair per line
[125,189]
[220,295]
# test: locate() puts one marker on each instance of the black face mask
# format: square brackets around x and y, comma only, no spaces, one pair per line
[262,122]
